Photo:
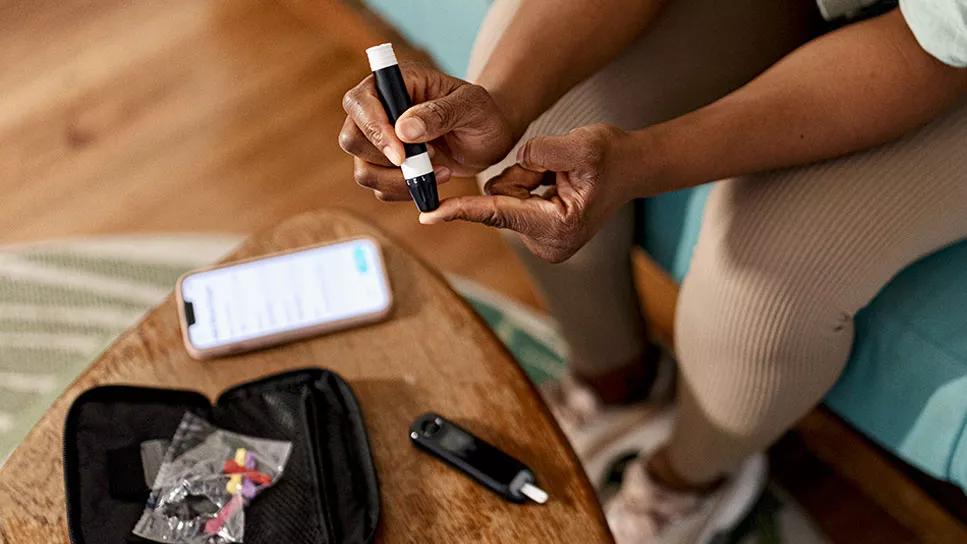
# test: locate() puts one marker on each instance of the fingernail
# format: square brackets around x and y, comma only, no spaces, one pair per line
[430,218]
[521,152]
[393,155]
[411,128]
[441,172]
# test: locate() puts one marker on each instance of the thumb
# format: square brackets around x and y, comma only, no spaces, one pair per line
[435,118]
[554,153]
[525,216]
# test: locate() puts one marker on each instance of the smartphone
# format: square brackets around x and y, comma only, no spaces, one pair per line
[283,297]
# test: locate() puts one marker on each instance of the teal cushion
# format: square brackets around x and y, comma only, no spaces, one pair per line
[670,225]
[906,382]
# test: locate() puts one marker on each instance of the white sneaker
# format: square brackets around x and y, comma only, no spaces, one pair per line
[590,424]
[645,512]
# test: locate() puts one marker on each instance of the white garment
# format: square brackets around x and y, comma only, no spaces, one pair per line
[940,27]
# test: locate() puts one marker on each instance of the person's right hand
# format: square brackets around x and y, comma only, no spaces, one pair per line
[462,125]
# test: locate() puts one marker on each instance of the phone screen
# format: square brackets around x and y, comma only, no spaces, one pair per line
[284,293]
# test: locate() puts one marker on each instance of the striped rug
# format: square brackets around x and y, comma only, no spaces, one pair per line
[62,303]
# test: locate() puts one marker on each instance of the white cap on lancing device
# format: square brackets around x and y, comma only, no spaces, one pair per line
[417,168]
[381,56]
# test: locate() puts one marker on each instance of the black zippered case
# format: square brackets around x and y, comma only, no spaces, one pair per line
[328,493]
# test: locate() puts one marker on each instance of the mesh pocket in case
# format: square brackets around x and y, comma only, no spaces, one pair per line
[327,495]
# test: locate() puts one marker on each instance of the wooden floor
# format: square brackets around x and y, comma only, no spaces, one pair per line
[189,115]
[120,116]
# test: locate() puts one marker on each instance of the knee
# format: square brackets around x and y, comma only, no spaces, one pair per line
[757,314]
[749,343]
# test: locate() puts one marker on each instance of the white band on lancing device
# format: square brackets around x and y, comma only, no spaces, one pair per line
[416,166]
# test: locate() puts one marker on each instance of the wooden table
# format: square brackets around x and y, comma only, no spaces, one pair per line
[455,366]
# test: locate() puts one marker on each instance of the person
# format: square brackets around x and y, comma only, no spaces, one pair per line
[839,158]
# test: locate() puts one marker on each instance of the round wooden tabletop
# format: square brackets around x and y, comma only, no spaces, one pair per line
[434,353]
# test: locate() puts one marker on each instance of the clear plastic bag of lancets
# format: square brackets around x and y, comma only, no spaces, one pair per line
[206,479]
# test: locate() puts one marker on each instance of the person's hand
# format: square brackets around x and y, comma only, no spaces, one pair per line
[462,125]
[588,173]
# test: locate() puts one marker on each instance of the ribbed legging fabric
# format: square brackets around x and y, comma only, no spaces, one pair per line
[784,260]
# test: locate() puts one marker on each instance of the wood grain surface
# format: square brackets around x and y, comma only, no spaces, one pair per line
[433,354]
[122,116]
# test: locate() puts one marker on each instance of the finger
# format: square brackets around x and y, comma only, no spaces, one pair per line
[424,82]
[555,153]
[440,157]
[353,141]
[362,105]
[388,180]
[515,181]
[392,197]
[550,193]
[526,216]
[435,118]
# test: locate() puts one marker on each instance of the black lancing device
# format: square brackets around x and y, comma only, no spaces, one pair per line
[417,168]
[476,458]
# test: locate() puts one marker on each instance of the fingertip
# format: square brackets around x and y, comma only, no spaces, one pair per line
[444,212]
[524,157]
[431,218]
[442,174]
[411,129]
[522,152]
[394,155]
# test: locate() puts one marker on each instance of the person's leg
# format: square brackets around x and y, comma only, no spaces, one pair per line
[696,51]
[783,263]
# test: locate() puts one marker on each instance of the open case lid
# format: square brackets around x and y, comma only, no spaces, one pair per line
[327,495]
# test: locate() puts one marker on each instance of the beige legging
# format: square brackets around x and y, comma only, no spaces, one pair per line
[784,260]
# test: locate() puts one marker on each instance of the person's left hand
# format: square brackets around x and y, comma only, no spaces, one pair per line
[587,172]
